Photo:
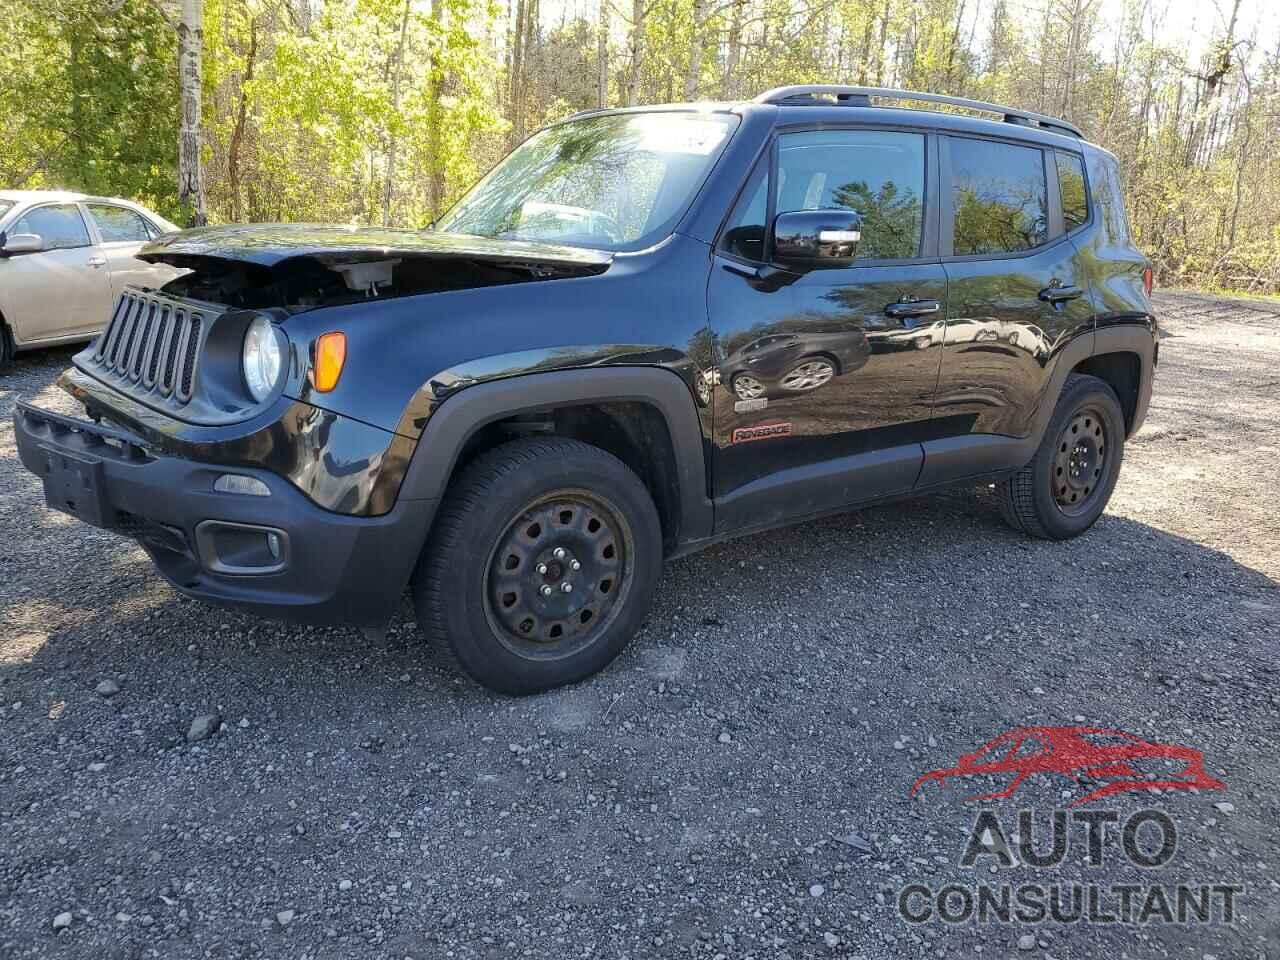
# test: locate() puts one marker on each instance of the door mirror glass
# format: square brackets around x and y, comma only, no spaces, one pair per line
[23,243]
[816,239]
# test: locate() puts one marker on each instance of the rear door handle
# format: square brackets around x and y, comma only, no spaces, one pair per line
[1056,293]
[905,309]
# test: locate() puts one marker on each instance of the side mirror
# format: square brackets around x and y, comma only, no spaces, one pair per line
[816,239]
[22,243]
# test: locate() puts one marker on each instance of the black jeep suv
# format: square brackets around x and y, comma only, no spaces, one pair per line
[520,412]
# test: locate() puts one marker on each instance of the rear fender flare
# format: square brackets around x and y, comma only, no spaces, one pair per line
[979,455]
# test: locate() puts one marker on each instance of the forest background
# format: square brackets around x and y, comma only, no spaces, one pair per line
[385,111]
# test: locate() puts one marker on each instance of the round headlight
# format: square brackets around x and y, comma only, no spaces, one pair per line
[263,358]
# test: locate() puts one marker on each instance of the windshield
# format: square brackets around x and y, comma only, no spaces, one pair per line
[613,182]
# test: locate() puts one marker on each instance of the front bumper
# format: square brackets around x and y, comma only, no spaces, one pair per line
[331,567]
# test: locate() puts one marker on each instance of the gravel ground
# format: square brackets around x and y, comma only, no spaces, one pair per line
[736,784]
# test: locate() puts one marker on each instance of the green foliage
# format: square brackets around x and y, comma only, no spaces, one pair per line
[88,100]
[386,110]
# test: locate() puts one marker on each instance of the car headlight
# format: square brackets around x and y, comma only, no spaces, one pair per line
[263,358]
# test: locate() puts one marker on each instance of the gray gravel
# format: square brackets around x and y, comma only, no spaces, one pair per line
[736,784]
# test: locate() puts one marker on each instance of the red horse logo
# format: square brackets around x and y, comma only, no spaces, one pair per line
[1076,752]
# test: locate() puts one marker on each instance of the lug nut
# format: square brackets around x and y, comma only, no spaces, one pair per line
[546,590]
[566,587]
[542,569]
[558,553]
[575,565]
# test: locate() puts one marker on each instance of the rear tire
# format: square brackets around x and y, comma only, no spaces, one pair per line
[6,347]
[1065,488]
[520,524]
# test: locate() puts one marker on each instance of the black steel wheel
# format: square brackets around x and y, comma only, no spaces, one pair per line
[541,564]
[559,573]
[1079,461]
[1065,487]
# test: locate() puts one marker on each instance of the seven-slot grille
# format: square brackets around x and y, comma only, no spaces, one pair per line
[154,342]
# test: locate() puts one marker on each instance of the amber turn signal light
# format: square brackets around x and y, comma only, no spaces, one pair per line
[328,354]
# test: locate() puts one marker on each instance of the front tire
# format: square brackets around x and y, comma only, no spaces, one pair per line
[541,564]
[1064,489]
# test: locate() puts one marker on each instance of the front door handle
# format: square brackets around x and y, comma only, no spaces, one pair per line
[1057,293]
[97,261]
[903,309]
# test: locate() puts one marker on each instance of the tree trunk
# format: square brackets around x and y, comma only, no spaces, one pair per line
[190,168]
[237,131]
[436,80]
[516,93]
[396,70]
[602,57]
[637,51]
[734,54]
[864,58]
[951,47]
[884,27]
[995,43]
[696,42]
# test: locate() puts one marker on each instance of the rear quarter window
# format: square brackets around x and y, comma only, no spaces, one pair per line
[1104,177]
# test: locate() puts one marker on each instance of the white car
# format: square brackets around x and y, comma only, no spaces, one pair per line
[64,258]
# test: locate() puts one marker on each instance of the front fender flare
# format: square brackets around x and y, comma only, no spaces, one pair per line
[469,409]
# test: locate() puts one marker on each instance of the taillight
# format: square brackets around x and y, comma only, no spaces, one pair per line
[1148,280]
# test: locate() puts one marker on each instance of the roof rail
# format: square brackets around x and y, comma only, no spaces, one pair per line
[814,94]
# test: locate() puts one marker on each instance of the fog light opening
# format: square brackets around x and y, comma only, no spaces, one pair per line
[241,549]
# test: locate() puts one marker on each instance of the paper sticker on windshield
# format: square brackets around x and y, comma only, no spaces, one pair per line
[680,135]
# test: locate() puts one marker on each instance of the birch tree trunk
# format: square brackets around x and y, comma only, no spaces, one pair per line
[190,168]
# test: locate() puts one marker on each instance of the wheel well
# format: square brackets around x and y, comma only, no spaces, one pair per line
[1123,372]
[633,431]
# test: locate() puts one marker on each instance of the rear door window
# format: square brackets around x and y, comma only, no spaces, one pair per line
[1075,199]
[999,197]
[117,224]
[59,225]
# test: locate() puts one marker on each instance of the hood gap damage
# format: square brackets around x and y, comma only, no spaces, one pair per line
[311,281]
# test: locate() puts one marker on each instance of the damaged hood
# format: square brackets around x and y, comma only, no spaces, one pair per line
[268,244]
